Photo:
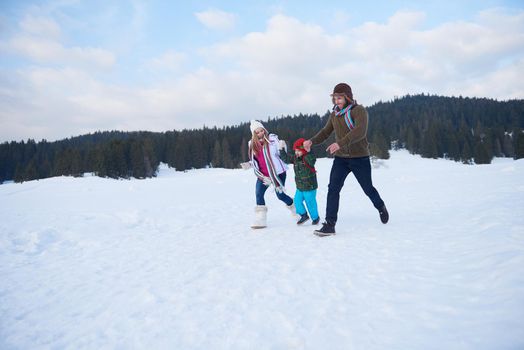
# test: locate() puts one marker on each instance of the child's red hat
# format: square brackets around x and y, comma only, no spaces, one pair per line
[299,144]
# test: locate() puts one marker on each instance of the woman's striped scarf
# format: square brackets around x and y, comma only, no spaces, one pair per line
[346,113]
[273,176]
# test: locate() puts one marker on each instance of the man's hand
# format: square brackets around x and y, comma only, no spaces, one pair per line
[333,148]
[307,145]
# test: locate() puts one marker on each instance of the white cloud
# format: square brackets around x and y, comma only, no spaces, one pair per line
[216,19]
[288,46]
[40,26]
[139,19]
[505,81]
[169,61]
[50,51]
[290,67]
[39,41]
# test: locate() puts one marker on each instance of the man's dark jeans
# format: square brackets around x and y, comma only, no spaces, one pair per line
[361,168]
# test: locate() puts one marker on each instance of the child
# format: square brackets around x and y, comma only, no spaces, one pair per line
[269,170]
[306,182]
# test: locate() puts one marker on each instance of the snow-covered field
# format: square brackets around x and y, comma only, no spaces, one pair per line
[171,263]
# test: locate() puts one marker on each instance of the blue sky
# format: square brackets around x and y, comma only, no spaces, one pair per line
[70,67]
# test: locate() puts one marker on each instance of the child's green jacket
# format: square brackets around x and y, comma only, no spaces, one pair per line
[305,173]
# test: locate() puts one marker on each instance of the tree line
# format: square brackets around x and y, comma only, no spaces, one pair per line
[469,130]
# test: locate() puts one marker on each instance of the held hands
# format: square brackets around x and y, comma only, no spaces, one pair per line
[307,145]
[333,148]
[267,181]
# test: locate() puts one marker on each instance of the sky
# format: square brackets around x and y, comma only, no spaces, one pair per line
[71,67]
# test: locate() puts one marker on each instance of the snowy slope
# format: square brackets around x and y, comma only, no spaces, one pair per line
[171,263]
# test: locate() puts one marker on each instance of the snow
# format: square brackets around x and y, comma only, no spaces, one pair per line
[171,263]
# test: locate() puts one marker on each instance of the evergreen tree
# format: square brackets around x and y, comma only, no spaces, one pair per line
[243,150]
[19,175]
[433,126]
[227,160]
[198,155]
[497,148]
[453,147]
[429,144]
[170,154]
[519,148]
[44,168]
[218,155]
[181,152]
[467,154]
[481,153]
[150,160]
[63,162]
[115,164]
[379,146]
[31,172]
[411,140]
[138,165]
[507,146]
[76,163]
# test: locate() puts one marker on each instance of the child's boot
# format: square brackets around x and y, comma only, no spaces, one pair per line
[303,218]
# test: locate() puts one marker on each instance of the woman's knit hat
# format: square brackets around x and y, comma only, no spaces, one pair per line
[299,144]
[255,124]
[343,89]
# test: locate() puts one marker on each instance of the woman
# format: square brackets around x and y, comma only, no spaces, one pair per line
[269,169]
[349,120]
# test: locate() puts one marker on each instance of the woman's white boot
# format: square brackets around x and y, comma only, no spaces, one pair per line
[260,217]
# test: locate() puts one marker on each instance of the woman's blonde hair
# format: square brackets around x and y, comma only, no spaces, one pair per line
[255,145]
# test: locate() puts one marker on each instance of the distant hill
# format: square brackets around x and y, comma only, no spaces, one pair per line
[470,130]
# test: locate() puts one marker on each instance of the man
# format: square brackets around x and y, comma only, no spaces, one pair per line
[349,121]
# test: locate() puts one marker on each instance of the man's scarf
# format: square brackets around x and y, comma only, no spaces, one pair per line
[346,113]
